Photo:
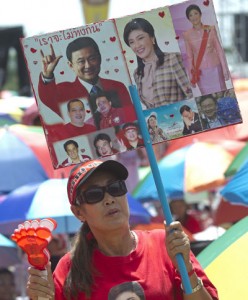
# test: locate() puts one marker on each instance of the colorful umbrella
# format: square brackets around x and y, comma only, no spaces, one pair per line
[235,190]
[8,252]
[18,164]
[228,253]
[10,116]
[12,109]
[195,168]
[238,162]
[24,157]
[49,199]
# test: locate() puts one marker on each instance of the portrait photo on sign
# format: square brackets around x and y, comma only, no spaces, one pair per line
[199,39]
[153,57]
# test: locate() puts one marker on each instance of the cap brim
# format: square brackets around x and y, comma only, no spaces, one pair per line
[112,166]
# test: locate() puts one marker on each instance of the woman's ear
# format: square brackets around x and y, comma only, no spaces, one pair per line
[78,212]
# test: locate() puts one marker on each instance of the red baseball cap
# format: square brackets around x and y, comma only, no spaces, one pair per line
[81,172]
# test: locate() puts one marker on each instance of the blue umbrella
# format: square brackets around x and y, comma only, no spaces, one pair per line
[138,214]
[36,201]
[235,190]
[49,199]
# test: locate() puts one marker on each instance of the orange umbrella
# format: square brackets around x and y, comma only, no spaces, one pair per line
[193,168]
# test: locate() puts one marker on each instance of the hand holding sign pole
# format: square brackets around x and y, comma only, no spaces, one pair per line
[33,237]
[158,181]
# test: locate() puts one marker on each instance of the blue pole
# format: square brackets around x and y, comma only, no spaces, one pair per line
[158,181]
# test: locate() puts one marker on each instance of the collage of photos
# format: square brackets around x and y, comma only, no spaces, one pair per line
[173,55]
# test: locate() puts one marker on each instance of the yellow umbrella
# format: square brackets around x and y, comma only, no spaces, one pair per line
[225,261]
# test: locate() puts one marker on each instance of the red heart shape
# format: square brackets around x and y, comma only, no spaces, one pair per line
[124,51]
[113,39]
[62,72]
[171,116]
[33,50]
[206,3]
[177,37]
[131,61]
[88,111]
[161,14]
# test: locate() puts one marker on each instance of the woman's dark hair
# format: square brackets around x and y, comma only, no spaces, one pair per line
[192,7]
[130,286]
[144,25]
[81,275]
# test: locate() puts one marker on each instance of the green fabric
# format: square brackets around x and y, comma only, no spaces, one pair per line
[222,243]
[238,161]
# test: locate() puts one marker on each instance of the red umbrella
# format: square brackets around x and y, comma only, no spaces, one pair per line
[227,212]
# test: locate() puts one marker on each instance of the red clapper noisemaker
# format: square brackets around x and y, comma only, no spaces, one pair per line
[33,237]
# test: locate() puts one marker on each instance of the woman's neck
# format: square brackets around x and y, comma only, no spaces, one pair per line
[118,245]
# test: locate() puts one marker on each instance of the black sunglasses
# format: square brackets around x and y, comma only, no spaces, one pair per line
[96,194]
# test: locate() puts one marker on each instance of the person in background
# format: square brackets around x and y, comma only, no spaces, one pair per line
[191,120]
[160,77]
[57,248]
[71,148]
[107,252]
[180,210]
[7,285]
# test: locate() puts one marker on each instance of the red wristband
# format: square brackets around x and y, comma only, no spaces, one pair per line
[190,273]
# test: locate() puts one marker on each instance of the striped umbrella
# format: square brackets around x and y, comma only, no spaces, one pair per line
[225,262]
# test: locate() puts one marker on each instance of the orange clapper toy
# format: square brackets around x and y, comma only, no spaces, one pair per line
[33,237]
